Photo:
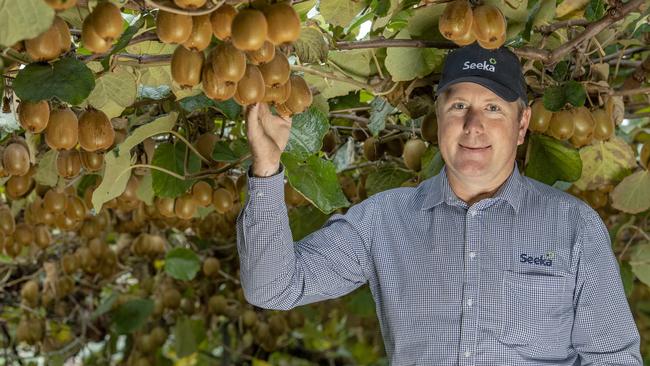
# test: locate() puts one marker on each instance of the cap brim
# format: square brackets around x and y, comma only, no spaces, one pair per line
[498,89]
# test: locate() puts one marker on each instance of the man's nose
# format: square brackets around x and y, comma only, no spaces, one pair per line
[473,123]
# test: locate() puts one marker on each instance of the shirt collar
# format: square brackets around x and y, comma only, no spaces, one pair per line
[439,191]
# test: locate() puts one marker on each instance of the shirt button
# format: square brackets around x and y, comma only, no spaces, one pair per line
[472,255]
[467,353]
[470,302]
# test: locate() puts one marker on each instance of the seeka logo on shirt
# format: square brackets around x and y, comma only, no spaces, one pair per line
[542,260]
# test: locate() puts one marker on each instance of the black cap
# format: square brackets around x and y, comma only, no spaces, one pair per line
[498,70]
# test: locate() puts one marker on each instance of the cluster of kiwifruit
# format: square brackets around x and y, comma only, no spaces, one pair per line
[578,125]
[411,151]
[102,27]
[50,44]
[463,25]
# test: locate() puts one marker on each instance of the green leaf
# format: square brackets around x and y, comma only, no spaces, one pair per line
[145,189]
[311,47]
[316,179]
[632,195]
[595,10]
[353,62]
[23,19]
[159,125]
[223,152]
[131,315]
[554,98]
[104,307]
[196,102]
[86,182]
[119,87]
[640,262]
[172,158]
[432,163]
[344,156]
[67,79]
[229,108]
[575,93]
[340,12]
[560,70]
[361,303]
[328,88]
[188,334]
[550,161]
[627,277]
[307,131]
[117,169]
[46,172]
[605,163]
[379,110]
[386,177]
[182,264]
[304,220]
[406,64]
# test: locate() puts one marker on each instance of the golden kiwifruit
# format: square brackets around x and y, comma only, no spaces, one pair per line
[250,89]
[283,23]
[69,263]
[68,163]
[201,34]
[301,97]
[62,129]
[249,30]
[42,236]
[277,95]
[222,200]
[29,293]
[429,128]
[19,185]
[171,298]
[466,39]
[172,27]
[130,192]
[66,223]
[46,46]
[65,38]
[185,207]
[211,267]
[644,155]
[91,40]
[61,4]
[249,318]
[107,22]
[283,110]
[581,140]
[277,71]
[96,132]
[262,55]
[33,116]
[456,20]
[159,335]
[221,21]
[224,181]
[604,127]
[55,201]
[562,125]
[540,117]
[228,63]
[205,144]
[202,193]
[292,197]
[215,88]
[190,4]
[15,159]
[584,126]
[489,26]
[413,151]
[165,206]
[24,234]
[186,67]
[92,161]
[372,150]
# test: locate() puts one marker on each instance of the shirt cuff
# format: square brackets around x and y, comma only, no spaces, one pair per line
[266,193]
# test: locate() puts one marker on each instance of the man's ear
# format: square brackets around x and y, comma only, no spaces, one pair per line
[523,125]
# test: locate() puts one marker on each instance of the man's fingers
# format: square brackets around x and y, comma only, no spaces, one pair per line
[252,114]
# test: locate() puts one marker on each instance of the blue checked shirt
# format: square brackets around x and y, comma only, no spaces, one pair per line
[526,277]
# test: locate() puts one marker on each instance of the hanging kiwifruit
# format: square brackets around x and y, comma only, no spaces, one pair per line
[102,27]
[46,46]
[205,144]
[330,142]
[68,163]
[371,149]
[7,221]
[283,110]
[76,208]
[456,20]
[95,130]
[55,201]
[215,88]
[584,126]
[19,185]
[165,206]
[190,4]
[15,159]
[277,95]
[644,155]
[61,4]
[29,292]
[202,193]
[562,125]
[604,125]
[262,55]
[540,117]
[277,71]
[186,67]
[489,26]
[429,128]
[228,63]
[62,129]
[413,151]
[466,39]
[283,23]
[222,200]
[91,40]
[172,27]
[92,161]
[65,38]
[185,207]
[301,97]
[221,20]
[250,89]
[211,267]
[201,34]
[249,30]
[42,236]
[33,116]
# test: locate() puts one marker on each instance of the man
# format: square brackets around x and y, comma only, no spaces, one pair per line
[476,266]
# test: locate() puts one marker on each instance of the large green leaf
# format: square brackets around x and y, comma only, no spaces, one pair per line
[353,62]
[182,264]
[172,158]
[550,161]
[311,47]
[67,79]
[119,87]
[160,125]
[605,163]
[379,110]
[23,19]
[307,131]
[131,315]
[304,220]
[316,179]
[386,177]
[340,12]
[188,334]
[640,262]
[432,163]
[405,64]
[328,88]
[46,173]
[229,107]
[145,190]
[632,195]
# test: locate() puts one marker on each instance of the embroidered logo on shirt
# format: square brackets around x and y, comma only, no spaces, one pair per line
[542,260]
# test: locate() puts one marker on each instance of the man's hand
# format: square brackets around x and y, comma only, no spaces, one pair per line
[268,135]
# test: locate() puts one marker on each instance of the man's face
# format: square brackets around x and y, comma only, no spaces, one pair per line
[478,133]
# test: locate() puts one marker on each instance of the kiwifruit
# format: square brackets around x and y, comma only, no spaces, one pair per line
[561,125]
[249,318]
[466,39]
[429,128]
[644,155]
[222,200]
[584,126]
[186,67]
[211,267]
[130,192]
[92,161]
[604,125]
[15,159]
[221,21]
[24,331]
[33,116]
[185,207]
[372,150]
[46,46]
[65,38]
[165,206]
[277,324]
[292,197]
[489,26]
[277,95]
[68,163]
[540,117]
[76,208]
[301,97]
[55,201]
[250,89]
[216,89]
[202,193]
[205,144]
[249,30]
[69,263]
[19,185]
[61,4]
[62,129]
[158,335]
[456,20]
[201,34]
[107,21]
[224,181]
[413,151]
[29,293]
[24,234]
[42,236]
[95,130]
[330,142]
[277,71]
[262,55]
[228,63]
[91,40]
[283,23]
[97,248]
[171,298]
[172,27]
[190,4]
[580,140]
[394,147]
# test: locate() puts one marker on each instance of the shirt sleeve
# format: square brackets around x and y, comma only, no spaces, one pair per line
[604,331]
[277,273]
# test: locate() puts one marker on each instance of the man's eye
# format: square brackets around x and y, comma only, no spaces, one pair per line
[493,108]
[458,106]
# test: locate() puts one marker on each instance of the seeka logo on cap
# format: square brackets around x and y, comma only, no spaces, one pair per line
[480,66]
